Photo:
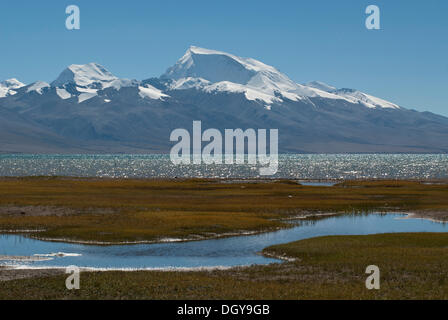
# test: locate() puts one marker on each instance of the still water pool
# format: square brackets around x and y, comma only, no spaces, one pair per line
[225,252]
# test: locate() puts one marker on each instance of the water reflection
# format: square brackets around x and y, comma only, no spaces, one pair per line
[233,251]
[324,167]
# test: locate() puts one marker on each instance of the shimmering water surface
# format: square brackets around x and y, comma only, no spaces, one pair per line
[233,251]
[319,166]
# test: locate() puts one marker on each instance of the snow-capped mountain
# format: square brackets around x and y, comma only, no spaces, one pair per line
[88,109]
[8,87]
[87,81]
[208,70]
[87,75]
[39,87]
[212,71]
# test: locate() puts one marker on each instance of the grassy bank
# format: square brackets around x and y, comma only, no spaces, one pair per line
[412,265]
[109,210]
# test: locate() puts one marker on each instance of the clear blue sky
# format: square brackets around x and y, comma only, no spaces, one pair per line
[405,62]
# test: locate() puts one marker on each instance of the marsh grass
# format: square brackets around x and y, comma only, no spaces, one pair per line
[148,210]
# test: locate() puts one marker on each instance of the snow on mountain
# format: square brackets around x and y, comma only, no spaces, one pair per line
[121,83]
[63,94]
[7,87]
[12,84]
[250,93]
[211,65]
[367,100]
[88,107]
[212,70]
[38,87]
[320,86]
[150,92]
[353,96]
[217,71]
[86,94]
[188,83]
[208,70]
[84,81]
[84,75]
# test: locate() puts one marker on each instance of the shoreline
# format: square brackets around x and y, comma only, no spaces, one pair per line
[163,240]
[434,216]
[407,215]
[326,267]
[27,271]
[419,215]
[192,238]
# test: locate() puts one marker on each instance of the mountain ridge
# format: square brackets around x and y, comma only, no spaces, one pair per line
[88,108]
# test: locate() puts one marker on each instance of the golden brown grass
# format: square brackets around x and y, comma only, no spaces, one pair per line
[153,209]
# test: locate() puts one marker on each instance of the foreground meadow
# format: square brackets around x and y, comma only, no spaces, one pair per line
[413,265]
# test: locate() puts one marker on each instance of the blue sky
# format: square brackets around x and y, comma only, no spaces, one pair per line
[404,62]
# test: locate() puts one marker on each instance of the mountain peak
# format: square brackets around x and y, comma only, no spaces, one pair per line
[199,50]
[7,87]
[218,66]
[38,87]
[204,51]
[197,61]
[221,71]
[211,65]
[12,83]
[84,75]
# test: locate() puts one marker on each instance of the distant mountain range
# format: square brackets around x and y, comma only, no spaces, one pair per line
[89,110]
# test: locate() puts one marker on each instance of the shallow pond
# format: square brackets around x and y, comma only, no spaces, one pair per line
[226,252]
[318,183]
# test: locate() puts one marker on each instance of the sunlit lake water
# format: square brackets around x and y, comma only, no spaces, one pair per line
[292,166]
[235,251]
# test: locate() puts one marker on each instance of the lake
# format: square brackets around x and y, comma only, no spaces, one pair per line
[290,166]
